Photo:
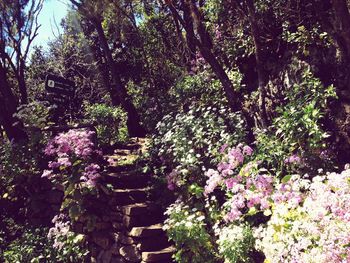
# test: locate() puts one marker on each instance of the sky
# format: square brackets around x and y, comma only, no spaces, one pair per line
[52,10]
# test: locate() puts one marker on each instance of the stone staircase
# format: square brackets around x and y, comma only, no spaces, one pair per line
[136,234]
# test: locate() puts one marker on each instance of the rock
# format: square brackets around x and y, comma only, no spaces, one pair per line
[153,243]
[138,209]
[120,238]
[161,255]
[130,196]
[130,253]
[145,220]
[101,239]
[147,231]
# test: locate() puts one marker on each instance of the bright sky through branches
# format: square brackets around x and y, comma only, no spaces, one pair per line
[52,10]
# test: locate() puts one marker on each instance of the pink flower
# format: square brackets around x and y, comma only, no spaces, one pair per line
[247,150]
[223,148]
[91,174]
[47,173]
[235,156]
[64,161]
[292,159]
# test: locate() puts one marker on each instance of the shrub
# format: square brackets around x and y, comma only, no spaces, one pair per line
[76,169]
[314,231]
[187,228]
[236,243]
[298,127]
[111,123]
[188,142]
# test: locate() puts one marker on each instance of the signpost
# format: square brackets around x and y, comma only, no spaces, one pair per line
[60,92]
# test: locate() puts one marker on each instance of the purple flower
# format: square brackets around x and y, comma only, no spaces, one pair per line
[235,155]
[64,161]
[247,150]
[292,159]
[47,173]
[91,174]
[223,148]
[53,165]
[173,179]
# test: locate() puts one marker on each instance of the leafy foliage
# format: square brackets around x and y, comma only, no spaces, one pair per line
[110,123]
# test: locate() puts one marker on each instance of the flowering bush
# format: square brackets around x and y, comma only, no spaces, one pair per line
[236,243]
[314,231]
[187,228]
[73,169]
[247,187]
[188,142]
[68,243]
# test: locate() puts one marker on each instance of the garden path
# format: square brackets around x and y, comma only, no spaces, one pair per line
[137,220]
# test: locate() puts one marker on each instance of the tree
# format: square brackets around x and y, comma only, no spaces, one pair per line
[18,28]
[119,96]
[193,24]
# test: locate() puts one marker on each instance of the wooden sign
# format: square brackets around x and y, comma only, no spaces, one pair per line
[59,90]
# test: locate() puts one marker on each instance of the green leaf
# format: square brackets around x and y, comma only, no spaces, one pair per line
[286,178]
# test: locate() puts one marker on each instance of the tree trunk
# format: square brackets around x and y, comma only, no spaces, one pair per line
[117,90]
[205,45]
[22,85]
[8,106]
[342,17]
[260,59]
[190,36]
[232,96]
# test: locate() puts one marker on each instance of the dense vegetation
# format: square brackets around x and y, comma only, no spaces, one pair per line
[246,103]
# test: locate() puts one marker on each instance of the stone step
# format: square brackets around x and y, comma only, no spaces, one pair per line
[139,209]
[160,255]
[130,196]
[142,220]
[127,180]
[147,231]
[120,168]
[122,152]
[153,243]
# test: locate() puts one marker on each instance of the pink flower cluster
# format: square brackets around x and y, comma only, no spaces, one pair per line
[59,231]
[76,142]
[234,158]
[248,192]
[91,174]
[315,228]
[69,147]
[291,193]
[293,159]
